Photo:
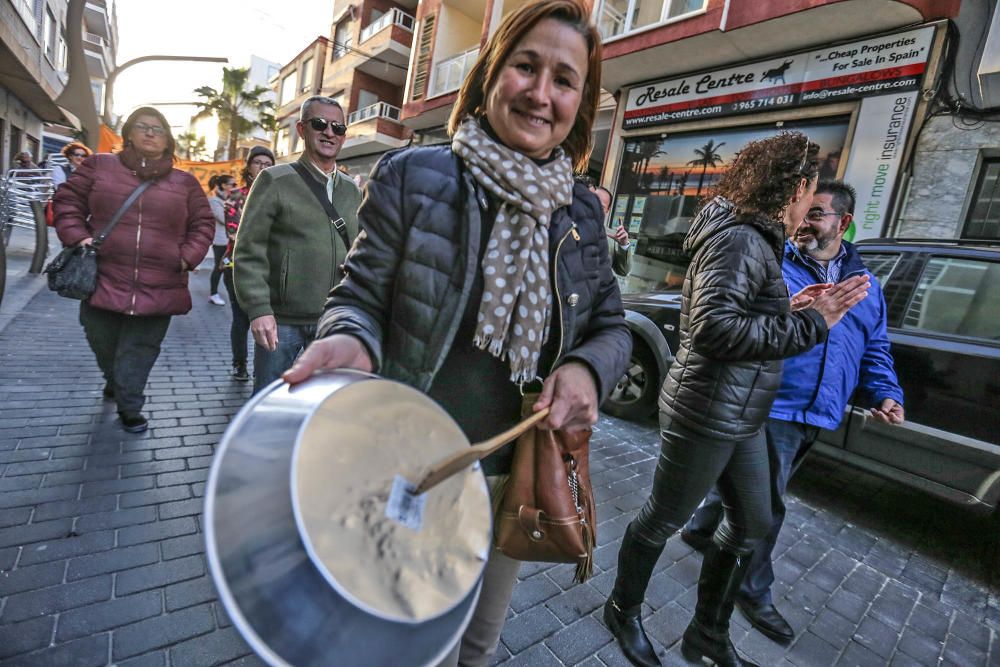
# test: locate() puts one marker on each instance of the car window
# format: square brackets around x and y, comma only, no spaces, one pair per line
[957,296]
[881,264]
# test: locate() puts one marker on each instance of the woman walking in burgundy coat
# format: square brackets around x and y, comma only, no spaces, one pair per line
[143,264]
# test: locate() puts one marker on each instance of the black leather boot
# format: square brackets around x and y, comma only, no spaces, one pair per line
[708,634]
[623,610]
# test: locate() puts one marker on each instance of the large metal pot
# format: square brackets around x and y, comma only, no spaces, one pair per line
[306,564]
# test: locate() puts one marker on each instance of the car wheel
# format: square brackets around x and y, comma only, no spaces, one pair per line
[634,396]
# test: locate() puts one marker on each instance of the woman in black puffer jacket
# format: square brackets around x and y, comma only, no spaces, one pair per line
[480,265]
[736,327]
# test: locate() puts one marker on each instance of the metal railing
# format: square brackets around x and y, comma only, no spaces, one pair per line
[377,110]
[449,74]
[392,17]
[23,195]
[94,39]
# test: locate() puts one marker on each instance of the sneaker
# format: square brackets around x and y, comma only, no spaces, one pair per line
[240,372]
[133,423]
[217,300]
[108,392]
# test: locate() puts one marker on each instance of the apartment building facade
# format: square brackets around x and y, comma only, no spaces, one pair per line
[32,73]
[362,63]
[36,57]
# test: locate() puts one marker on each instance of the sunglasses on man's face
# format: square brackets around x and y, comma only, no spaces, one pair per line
[320,125]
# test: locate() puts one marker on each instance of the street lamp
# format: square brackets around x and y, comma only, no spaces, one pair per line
[77,96]
[109,85]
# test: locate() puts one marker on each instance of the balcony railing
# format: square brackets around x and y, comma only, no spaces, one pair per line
[377,110]
[449,74]
[392,17]
[94,39]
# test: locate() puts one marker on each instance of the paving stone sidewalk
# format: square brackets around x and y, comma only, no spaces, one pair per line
[102,557]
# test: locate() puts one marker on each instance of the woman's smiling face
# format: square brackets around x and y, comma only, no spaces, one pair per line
[534,102]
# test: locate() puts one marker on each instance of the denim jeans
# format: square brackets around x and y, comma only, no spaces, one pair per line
[690,464]
[268,366]
[126,347]
[240,327]
[787,445]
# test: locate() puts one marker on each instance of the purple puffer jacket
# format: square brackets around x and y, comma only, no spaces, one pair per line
[139,265]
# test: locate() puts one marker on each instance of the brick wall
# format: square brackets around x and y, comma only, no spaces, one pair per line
[387,92]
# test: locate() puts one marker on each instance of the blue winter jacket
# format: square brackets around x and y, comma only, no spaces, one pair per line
[816,385]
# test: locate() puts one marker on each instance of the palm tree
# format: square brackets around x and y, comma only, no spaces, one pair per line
[664,175]
[229,105]
[707,157]
[191,146]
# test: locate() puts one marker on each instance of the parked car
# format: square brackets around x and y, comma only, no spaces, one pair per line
[943,301]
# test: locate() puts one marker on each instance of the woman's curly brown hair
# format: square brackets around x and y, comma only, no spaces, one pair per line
[765,174]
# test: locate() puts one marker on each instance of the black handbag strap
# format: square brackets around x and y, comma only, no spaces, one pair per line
[331,211]
[96,243]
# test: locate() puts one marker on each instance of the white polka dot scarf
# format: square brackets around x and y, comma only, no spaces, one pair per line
[514,313]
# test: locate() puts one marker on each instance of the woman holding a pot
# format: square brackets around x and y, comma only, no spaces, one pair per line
[482,266]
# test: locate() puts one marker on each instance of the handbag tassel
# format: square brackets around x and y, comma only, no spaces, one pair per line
[585,567]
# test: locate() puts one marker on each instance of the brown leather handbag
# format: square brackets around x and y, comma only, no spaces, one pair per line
[546,508]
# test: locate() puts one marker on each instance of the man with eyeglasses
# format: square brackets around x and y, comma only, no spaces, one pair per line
[815,386]
[298,223]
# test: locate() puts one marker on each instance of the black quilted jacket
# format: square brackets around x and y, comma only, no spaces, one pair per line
[735,325]
[409,274]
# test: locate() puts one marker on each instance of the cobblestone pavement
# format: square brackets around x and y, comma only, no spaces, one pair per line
[102,560]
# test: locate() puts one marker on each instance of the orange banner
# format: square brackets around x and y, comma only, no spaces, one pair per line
[108,141]
[205,170]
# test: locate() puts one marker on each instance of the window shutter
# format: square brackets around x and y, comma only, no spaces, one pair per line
[424,47]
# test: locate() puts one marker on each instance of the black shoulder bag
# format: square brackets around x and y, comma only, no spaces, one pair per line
[331,211]
[73,273]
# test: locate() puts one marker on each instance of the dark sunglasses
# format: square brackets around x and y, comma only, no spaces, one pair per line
[78,155]
[320,125]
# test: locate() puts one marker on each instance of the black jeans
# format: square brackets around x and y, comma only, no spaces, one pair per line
[126,347]
[240,327]
[213,280]
[690,464]
[787,446]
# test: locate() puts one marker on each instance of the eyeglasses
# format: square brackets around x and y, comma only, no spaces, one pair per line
[817,214]
[78,155]
[146,129]
[261,163]
[320,125]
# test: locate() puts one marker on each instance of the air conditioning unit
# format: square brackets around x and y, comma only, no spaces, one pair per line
[989,65]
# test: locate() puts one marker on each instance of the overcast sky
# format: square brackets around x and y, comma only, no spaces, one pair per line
[272,29]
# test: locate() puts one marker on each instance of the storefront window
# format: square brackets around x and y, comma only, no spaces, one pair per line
[663,178]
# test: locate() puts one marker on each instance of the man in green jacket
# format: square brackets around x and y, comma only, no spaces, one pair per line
[289,247]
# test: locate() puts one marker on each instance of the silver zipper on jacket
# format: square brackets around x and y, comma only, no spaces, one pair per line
[135,268]
[555,284]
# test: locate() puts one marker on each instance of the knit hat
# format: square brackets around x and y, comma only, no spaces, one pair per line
[260,150]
